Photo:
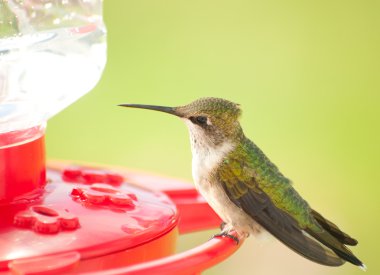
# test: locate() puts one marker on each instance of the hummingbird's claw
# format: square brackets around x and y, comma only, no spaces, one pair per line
[222,225]
[225,234]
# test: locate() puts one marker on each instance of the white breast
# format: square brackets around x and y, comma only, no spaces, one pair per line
[205,159]
[204,162]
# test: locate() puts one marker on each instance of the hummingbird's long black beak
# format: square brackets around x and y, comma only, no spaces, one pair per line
[169,110]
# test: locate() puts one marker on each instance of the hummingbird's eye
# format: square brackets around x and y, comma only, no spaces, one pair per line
[200,120]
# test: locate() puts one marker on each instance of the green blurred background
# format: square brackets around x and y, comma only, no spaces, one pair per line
[307,74]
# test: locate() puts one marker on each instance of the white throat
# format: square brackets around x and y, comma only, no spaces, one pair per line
[206,156]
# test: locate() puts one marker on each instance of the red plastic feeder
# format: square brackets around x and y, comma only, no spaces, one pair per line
[81,219]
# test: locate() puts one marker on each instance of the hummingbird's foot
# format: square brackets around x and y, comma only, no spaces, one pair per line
[226,234]
[222,226]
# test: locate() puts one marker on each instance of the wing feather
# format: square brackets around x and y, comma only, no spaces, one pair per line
[284,214]
[284,228]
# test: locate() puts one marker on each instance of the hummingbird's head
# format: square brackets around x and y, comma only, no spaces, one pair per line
[211,121]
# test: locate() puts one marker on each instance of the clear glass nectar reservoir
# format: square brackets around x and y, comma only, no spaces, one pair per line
[51,53]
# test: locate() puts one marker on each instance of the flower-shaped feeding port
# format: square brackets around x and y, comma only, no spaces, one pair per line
[90,176]
[46,220]
[104,194]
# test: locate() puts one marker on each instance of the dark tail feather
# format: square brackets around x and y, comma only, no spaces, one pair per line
[314,243]
[286,229]
[335,239]
[338,248]
[312,250]
[333,229]
[306,246]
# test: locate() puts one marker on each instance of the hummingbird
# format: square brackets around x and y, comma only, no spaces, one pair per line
[248,191]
